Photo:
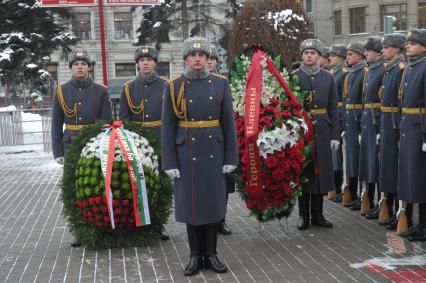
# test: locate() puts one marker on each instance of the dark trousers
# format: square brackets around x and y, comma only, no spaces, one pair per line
[422,214]
[392,202]
[353,187]
[311,206]
[338,180]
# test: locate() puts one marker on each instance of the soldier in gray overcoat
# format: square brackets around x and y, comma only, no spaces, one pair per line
[393,46]
[142,98]
[353,106]
[370,121]
[199,146]
[77,103]
[230,182]
[339,71]
[321,103]
[412,150]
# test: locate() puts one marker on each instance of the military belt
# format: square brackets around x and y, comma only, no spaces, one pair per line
[413,111]
[389,109]
[199,124]
[353,106]
[72,127]
[340,104]
[149,124]
[372,106]
[318,111]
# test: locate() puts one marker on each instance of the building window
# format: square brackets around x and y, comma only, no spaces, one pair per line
[163,69]
[357,20]
[81,26]
[125,69]
[422,15]
[308,5]
[338,22]
[123,25]
[399,11]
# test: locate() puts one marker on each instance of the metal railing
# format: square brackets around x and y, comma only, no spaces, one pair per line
[17,129]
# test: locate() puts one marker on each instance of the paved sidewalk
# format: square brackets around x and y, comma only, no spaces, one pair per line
[35,242]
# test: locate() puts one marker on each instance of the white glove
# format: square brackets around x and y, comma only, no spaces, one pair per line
[377,139]
[401,209]
[60,160]
[359,139]
[335,144]
[424,147]
[382,199]
[343,135]
[173,173]
[228,168]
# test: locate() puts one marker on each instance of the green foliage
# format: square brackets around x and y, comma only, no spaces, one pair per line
[74,189]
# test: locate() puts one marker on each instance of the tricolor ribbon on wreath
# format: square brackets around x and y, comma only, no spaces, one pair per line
[251,120]
[115,133]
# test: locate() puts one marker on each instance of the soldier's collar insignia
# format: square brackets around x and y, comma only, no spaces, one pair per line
[196,45]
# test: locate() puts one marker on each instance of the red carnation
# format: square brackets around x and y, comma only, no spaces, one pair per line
[104,200]
[124,219]
[78,203]
[271,161]
[95,209]
[250,204]
[274,101]
[278,175]
[239,122]
[280,154]
[84,204]
[126,211]
[98,200]
[286,103]
[84,212]
[285,114]
[266,120]
[261,111]
[91,201]
[131,220]
[125,202]
[117,211]
[116,220]
[104,209]
[261,205]
[89,214]
[271,109]
[115,203]
[98,218]
[106,219]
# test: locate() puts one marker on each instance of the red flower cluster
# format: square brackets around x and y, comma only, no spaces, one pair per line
[95,212]
[281,168]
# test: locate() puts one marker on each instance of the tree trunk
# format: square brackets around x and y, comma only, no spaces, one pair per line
[185,27]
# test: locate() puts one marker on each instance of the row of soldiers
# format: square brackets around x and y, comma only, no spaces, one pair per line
[192,115]
[380,97]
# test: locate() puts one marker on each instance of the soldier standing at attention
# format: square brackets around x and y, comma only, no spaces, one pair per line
[370,122]
[412,143]
[77,103]
[324,61]
[339,71]
[353,107]
[199,146]
[393,46]
[141,98]
[230,183]
[321,103]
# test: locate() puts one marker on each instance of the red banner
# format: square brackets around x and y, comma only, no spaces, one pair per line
[131,2]
[67,3]
[251,127]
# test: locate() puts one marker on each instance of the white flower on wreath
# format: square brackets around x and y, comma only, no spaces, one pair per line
[145,151]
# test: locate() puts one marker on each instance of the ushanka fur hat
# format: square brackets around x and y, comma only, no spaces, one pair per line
[195,44]
[78,55]
[146,51]
[311,43]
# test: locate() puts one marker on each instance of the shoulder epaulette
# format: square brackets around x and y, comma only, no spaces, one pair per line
[175,78]
[401,65]
[101,85]
[219,76]
[164,79]
[126,83]
[345,70]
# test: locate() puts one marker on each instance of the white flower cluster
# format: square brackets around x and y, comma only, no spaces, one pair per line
[270,85]
[279,138]
[238,87]
[145,151]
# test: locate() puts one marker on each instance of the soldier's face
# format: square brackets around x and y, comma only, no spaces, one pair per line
[390,52]
[414,49]
[196,61]
[211,64]
[310,57]
[322,61]
[335,60]
[146,65]
[80,69]
[371,56]
[353,58]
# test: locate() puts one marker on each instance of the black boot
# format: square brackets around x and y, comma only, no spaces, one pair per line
[303,201]
[416,231]
[164,236]
[374,213]
[318,219]
[356,205]
[338,180]
[211,260]
[353,187]
[195,261]
[223,228]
